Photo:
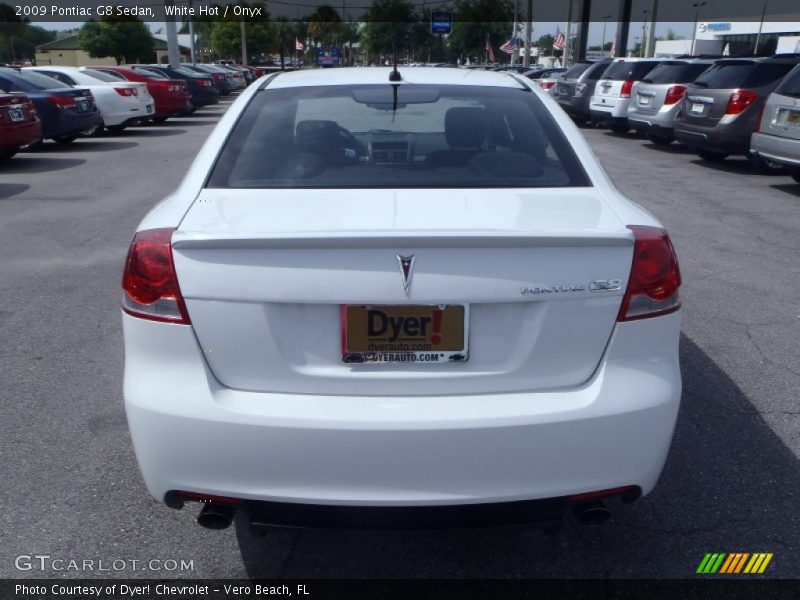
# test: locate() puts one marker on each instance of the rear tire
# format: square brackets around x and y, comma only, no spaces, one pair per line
[159,120]
[94,131]
[659,140]
[6,154]
[65,139]
[796,176]
[116,128]
[711,156]
[765,167]
[619,128]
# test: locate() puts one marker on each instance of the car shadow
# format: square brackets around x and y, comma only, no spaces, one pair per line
[184,121]
[673,148]
[729,484]
[38,164]
[93,144]
[11,189]
[155,131]
[789,188]
[736,165]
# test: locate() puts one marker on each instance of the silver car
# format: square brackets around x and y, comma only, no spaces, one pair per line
[658,98]
[777,138]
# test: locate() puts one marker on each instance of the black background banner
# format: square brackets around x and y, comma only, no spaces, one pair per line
[728,588]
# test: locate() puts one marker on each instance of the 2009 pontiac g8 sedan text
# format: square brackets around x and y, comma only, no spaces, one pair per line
[391,301]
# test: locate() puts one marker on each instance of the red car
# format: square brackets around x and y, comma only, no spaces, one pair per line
[171,96]
[19,124]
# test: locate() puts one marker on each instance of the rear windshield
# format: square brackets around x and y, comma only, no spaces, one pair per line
[43,82]
[735,75]
[790,86]
[598,70]
[675,73]
[101,75]
[576,70]
[113,74]
[151,73]
[629,71]
[426,136]
[185,71]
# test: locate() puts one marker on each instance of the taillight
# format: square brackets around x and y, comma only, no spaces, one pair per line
[655,277]
[627,86]
[149,282]
[126,91]
[546,85]
[61,101]
[739,101]
[675,94]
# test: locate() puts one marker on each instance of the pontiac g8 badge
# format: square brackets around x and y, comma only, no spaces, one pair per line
[406,270]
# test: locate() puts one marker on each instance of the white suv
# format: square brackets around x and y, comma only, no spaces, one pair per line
[613,93]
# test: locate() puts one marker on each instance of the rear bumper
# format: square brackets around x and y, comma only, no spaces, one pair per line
[16,136]
[730,138]
[169,106]
[661,121]
[191,434]
[576,106]
[64,124]
[609,108]
[785,151]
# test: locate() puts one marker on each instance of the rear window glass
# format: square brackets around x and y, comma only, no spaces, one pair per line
[101,75]
[790,86]
[675,73]
[624,70]
[576,70]
[598,70]
[41,81]
[114,75]
[734,75]
[151,73]
[429,136]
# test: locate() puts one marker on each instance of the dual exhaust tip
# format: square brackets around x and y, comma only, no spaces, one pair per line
[216,516]
[220,516]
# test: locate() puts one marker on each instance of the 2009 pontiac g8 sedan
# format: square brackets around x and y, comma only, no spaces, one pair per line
[404,299]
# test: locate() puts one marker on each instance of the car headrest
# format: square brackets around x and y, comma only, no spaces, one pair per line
[317,134]
[465,127]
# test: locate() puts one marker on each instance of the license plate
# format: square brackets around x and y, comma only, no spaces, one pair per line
[16,114]
[563,88]
[697,108]
[793,118]
[149,108]
[423,334]
[83,104]
[644,100]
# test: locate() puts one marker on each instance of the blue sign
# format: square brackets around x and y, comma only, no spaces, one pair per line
[328,57]
[441,22]
[719,26]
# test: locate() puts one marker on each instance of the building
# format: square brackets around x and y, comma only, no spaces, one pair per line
[67,52]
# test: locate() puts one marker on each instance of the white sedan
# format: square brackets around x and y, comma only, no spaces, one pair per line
[384,300]
[121,103]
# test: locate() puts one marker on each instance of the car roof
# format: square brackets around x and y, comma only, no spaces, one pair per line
[378,75]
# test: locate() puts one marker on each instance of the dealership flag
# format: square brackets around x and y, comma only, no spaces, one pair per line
[560,41]
[297,44]
[511,46]
[614,48]
[489,50]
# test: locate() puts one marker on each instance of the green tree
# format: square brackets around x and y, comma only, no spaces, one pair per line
[125,38]
[545,44]
[34,36]
[474,20]
[390,26]
[226,37]
[325,25]
[12,29]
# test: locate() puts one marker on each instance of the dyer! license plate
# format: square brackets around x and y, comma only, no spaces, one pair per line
[793,118]
[16,114]
[697,108]
[424,334]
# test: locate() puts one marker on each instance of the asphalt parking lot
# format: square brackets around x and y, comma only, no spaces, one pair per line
[71,488]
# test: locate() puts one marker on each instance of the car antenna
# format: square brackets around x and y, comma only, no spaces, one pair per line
[395,74]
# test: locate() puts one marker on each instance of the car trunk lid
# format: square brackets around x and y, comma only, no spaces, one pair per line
[265,274]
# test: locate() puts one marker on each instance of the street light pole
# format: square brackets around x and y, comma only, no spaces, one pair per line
[244,42]
[644,26]
[603,45]
[526,62]
[760,26]
[191,34]
[697,6]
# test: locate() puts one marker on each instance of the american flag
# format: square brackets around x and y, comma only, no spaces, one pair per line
[489,50]
[560,41]
[510,46]
[297,44]
[614,48]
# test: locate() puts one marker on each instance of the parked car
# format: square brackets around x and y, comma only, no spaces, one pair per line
[222,80]
[613,93]
[777,137]
[238,76]
[435,315]
[545,78]
[658,98]
[575,87]
[243,72]
[121,103]
[171,96]
[65,112]
[722,107]
[20,126]
[201,87]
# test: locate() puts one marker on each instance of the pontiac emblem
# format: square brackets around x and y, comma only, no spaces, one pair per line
[406,270]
